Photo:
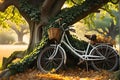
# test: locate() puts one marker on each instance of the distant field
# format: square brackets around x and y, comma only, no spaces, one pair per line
[6,50]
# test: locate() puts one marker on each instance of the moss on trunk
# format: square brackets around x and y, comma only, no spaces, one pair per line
[70,16]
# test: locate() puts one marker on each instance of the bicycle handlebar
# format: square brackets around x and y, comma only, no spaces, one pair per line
[58,21]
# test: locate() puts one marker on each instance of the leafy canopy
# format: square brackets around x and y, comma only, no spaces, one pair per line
[104,18]
[11,14]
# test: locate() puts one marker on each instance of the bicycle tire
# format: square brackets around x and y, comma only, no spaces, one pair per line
[46,65]
[114,1]
[110,63]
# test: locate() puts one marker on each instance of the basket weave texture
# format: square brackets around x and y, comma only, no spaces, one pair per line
[54,34]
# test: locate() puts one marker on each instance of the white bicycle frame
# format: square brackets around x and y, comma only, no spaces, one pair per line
[84,55]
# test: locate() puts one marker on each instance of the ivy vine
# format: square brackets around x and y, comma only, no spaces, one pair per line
[32,12]
[68,15]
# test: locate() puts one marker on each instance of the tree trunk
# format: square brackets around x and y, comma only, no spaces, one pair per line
[112,30]
[70,16]
[35,29]
[46,13]
[20,37]
[35,36]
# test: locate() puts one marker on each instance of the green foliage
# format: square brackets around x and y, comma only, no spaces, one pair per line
[108,11]
[32,12]
[11,14]
[78,44]
[68,15]
[5,38]
[105,22]
[74,2]
[29,60]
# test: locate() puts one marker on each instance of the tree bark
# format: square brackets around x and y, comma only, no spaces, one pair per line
[20,37]
[13,56]
[46,13]
[49,8]
[112,31]
[36,29]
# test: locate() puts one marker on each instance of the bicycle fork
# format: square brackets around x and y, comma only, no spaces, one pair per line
[57,47]
[54,53]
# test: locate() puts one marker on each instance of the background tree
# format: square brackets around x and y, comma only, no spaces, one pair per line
[105,22]
[11,18]
[39,14]
[12,15]
[20,30]
[5,38]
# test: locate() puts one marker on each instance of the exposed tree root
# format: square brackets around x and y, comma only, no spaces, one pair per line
[5,74]
[13,56]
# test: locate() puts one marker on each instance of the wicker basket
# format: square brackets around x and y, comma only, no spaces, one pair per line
[54,34]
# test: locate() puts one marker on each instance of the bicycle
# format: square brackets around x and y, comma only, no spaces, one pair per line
[52,57]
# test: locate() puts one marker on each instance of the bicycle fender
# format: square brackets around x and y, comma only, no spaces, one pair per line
[64,53]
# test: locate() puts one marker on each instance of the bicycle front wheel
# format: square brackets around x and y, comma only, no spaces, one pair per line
[110,62]
[45,64]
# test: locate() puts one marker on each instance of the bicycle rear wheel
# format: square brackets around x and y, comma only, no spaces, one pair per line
[45,64]
[110,62]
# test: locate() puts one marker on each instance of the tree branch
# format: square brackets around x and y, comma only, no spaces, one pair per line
[45,9]
[56,7]
[13,26]
[91,8]
[13,56]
